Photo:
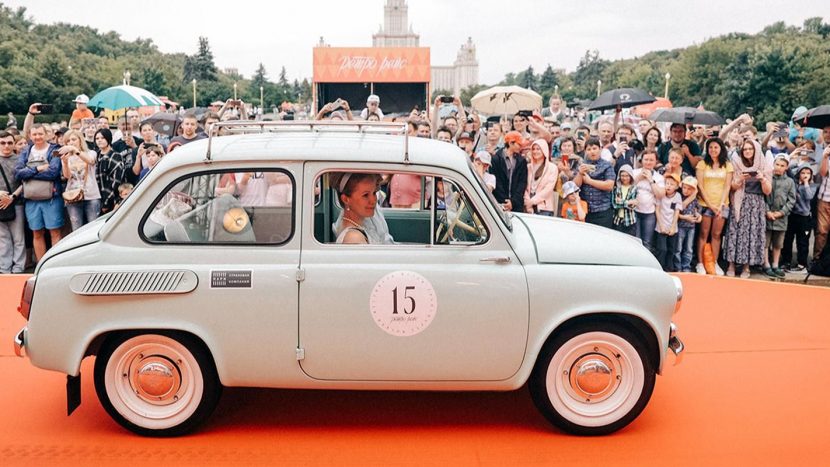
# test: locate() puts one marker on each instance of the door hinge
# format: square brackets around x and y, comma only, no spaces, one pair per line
[300,275]
[300,354]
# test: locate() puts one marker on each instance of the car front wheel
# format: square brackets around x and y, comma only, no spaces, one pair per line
[593,378]
[157,384]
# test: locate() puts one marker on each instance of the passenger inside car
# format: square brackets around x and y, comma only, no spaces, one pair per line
[360,221]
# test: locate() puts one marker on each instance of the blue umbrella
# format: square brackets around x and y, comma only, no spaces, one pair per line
[120,97]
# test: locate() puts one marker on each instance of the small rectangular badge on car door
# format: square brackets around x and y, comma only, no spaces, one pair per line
[230,279]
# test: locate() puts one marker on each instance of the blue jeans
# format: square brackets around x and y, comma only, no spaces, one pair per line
[684,249]
[645,229]
[83,213]
[13,243]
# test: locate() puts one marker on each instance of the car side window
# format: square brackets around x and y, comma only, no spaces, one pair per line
[404,212]
[224,208]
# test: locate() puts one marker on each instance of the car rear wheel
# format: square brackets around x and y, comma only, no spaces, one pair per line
[157,384]
[593,378]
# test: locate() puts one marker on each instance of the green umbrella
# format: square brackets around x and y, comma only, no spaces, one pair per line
[120,97]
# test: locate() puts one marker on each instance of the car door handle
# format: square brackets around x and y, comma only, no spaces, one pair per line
[496,259]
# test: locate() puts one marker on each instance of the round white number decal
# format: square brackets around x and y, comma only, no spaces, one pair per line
[403,303]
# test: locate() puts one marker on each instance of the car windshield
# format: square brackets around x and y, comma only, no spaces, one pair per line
[503,215]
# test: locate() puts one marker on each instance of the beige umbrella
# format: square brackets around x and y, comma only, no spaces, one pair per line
[505,100]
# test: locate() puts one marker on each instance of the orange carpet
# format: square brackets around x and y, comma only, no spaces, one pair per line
[752,390]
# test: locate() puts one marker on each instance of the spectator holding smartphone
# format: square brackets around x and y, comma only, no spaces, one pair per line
[596,179]
[747,219]
[650,189]
[689,149]
[619,152]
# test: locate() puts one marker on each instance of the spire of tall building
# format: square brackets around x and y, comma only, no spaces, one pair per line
[396,30]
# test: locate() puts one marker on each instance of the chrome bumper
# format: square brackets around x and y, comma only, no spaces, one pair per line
[20,343]
[675,344]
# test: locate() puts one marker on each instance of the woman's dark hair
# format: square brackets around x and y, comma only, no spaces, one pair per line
[659,135]
[593,142]
[106,133]
[723,157]
[566,140]
[746,162]
[143,124]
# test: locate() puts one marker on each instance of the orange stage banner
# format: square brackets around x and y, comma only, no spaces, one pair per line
[371,65]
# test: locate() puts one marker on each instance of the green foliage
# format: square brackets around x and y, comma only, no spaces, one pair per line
[769,73]
[54,63]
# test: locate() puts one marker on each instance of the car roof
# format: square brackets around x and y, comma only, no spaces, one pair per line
[336,146]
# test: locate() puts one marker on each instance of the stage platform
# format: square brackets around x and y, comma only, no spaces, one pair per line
[752,390]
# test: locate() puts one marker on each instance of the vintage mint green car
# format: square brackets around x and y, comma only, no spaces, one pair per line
[221,269]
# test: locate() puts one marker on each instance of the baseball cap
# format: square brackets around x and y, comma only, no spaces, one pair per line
[484,157]
[691,181]
[61,131]
[799,112]
[674,176]
[373,98]
[569,188]
[81,99]
[466,136]
[567,126]
[514,137]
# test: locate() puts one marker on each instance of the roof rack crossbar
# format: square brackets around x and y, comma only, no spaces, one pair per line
[237,127]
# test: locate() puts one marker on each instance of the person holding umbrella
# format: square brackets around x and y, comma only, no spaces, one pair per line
[677,139]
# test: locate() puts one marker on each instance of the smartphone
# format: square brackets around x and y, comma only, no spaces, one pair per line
[235,102]
[623,139]
[752,173]
[565,159]
[44,108]
[525,113]
[447,99]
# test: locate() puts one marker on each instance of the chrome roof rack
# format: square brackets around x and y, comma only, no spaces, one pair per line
[349,126]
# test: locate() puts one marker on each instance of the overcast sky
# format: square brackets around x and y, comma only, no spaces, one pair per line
[509,35]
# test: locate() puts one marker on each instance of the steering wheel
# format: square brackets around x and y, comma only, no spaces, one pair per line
[453,221]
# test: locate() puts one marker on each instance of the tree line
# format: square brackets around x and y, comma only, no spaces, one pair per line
[769,73]
[54,63]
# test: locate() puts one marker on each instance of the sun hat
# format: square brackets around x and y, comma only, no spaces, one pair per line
[484,157]
[569,188]
[691,181]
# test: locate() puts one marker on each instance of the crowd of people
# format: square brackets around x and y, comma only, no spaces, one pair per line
[730,193]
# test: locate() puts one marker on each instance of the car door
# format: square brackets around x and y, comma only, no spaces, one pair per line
[412,312]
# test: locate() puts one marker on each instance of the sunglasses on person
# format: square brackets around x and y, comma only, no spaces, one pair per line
[6,143]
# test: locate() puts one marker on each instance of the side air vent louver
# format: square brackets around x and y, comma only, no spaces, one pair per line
[128,283]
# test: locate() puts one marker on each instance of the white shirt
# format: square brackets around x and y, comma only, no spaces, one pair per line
[646,201]
[364,114]
[666,216]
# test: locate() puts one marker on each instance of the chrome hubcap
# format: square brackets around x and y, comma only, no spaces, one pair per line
[155,379]
[594,376]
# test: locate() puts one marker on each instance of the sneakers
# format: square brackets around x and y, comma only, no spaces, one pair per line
[700,269]
[718,270]
[797,268]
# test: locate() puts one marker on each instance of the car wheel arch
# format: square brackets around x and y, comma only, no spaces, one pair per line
[634,323]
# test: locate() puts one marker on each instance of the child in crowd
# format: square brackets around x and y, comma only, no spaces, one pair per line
[152,155]
[124,190]
[575,208]
[667,213]
[780,202]
[624,200]
[690,214]
[800,222]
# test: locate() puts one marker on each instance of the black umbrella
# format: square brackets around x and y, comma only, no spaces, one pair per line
[817,117]
[686,115]
[623,97]
[164,122]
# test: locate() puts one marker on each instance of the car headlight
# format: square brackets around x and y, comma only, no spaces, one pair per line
[678,285]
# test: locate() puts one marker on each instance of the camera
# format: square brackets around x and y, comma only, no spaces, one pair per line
[446,99]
